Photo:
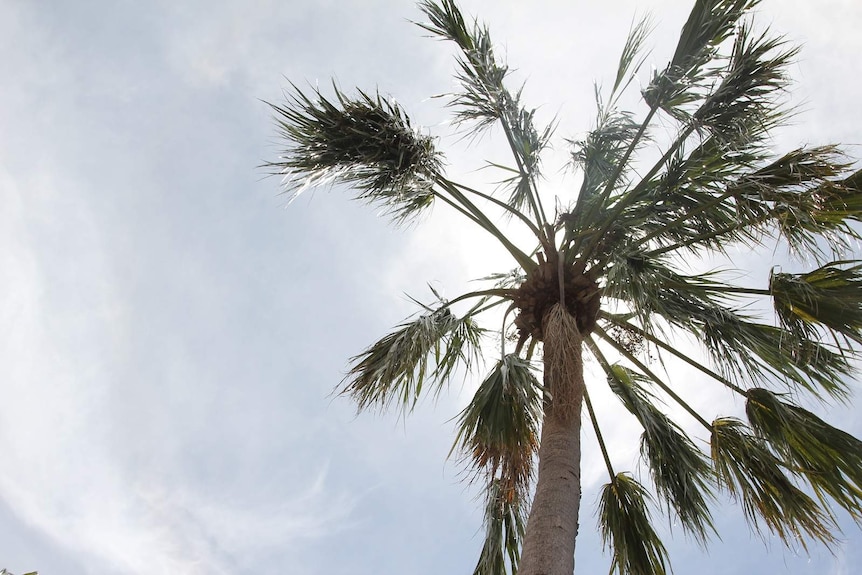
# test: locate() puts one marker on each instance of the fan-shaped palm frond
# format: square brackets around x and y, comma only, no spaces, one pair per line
[691,72]
[632,56]
[499,428]
[485,99]
[599,154]
[743,104]
[504,527]
[680,471]
[795,197]
[741,349]
[365,141]
[829,459]
[752,474]
[829,297]
[625,523]
[397,367]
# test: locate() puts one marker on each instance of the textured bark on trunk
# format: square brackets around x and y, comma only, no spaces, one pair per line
[549,540]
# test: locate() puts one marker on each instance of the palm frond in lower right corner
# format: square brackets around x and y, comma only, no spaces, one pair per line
[753,476]
[829,296]
[829,459]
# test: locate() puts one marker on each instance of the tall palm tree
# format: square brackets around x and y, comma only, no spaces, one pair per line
[608,279]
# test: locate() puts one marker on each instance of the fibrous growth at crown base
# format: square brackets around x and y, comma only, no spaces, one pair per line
[542,289]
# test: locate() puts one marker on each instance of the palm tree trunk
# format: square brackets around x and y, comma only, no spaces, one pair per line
[549,540]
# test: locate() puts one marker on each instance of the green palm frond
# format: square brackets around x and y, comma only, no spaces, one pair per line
[680,471]
[396,368]
[626,529]
[682,477]
[829,459]
[506,280]
[527,144]
[733,118]
[498,430]
[498,435]
[722,193]
[688,199]
[599,154]
[742,349]
[480,73]
[604,155]
[829,297]
[738,102]
[828,215]
[485,100]
[689,74]
[650,286]
[794,197]
[632,56]
[688,204]
[366,141]
[744,106]
[753,475]
[750,351]
[504,529]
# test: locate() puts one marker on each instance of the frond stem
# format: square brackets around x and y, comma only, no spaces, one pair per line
[606,366]
[599,437]
[506,294]
[480,308]
[503,331]
[535,201]
[459,208]
[743,290]
[632,195]
[531,349]
[503,205]
[523,259]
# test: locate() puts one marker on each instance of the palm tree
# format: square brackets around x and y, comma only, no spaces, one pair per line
[608,279]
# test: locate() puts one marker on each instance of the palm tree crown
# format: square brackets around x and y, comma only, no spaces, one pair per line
[606,281]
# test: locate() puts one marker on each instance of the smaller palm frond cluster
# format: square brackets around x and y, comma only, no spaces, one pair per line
[427,348]
[498,433]
[366,141]
[826,296]
[607,275]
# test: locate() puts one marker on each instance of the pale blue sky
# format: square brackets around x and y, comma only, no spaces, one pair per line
[171,331]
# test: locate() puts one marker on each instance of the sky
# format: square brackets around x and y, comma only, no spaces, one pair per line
[171,330]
